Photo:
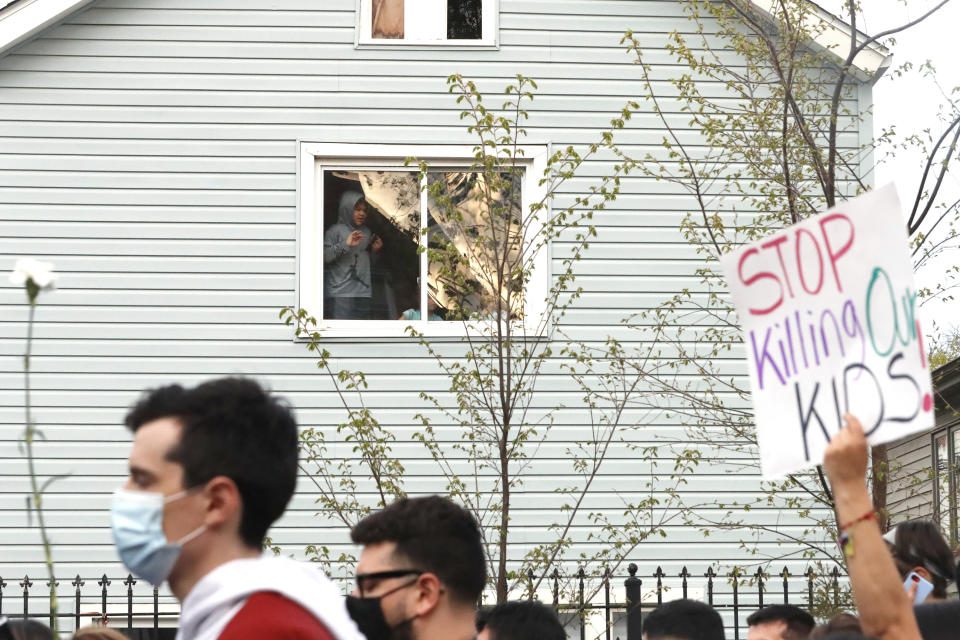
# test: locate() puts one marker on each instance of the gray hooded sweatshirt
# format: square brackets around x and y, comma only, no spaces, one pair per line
[346,270]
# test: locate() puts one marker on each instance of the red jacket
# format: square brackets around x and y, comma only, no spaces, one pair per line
[270,616]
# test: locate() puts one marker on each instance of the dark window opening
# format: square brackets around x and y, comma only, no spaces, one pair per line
[464,19]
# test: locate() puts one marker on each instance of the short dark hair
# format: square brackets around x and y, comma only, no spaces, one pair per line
[919,543]
[231,427]
[683,620]
[435,535]
[29,630]
[799,622]
[842,623]
[521,620]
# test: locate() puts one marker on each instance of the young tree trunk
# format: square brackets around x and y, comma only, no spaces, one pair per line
[504,519]
[878,484]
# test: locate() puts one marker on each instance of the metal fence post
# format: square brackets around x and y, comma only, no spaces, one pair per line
[156,609]
[77,583]
[633,586]
[710,575]
[582,607]
[606,600]
[760,577]
[52,584]
[104,582]
[26,584]
[786,588]
[556,590]
[684,574]
[658,574]
[2,585]
[736,603]
[810,576]
[130,581]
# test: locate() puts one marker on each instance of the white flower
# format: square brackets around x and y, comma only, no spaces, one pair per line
[40,273]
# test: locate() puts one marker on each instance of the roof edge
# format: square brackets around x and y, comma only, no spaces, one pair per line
[25,19]
[834,36]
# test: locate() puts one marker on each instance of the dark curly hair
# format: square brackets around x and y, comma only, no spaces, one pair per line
[231,427]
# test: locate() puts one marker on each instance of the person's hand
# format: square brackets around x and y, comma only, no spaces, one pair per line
[377,244]
[845,458]
[354,239]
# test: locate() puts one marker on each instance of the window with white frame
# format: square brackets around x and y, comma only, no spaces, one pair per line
[372,232]
[427,22]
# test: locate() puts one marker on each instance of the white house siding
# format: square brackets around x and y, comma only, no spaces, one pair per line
[910,491]
[147,148]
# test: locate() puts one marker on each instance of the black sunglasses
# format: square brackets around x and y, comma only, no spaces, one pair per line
[383,575]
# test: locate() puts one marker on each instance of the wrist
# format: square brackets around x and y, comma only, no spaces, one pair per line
[851,502]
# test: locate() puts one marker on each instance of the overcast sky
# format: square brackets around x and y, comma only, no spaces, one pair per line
[910,103]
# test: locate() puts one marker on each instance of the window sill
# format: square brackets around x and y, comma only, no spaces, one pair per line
[465,45]
[392,330]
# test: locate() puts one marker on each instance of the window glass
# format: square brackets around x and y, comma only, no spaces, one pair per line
[370,244]
[464,19]
[426,20]
[474,243]
[952,524]
[387,19]
[942,470]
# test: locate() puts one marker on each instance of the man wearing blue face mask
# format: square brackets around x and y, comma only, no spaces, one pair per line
[211,469]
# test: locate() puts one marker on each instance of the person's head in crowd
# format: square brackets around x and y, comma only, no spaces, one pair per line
[683,620]
[29,630]
[421,571]
[938,620]
[842,623]
[211,468]
[520,620]
[780,622]
[98,633]
[918,546]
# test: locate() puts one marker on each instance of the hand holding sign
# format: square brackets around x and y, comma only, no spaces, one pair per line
[828,311]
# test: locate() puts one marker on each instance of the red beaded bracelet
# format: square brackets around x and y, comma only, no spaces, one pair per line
[870,515]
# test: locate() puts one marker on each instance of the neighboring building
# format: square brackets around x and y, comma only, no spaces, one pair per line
[164,155]
[925,471]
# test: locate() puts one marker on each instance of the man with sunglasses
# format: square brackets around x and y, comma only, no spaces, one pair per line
[421,572]
[211,468]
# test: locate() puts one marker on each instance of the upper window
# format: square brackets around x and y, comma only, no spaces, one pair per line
[376,238]
[427,22]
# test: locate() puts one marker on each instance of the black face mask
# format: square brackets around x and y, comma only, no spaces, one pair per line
[368,614]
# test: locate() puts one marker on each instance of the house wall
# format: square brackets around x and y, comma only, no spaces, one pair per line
[147,148]
[910,492]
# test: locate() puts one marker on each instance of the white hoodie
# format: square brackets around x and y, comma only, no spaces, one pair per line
[220,594]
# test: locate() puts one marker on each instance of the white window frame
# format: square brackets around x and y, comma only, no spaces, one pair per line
[313,158]
[490,29]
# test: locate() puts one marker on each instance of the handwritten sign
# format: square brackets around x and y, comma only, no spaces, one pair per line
[829,317]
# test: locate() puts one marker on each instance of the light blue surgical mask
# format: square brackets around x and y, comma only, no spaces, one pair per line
[136,518]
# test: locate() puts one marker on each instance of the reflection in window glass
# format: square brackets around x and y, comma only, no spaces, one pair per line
[464,19]
[942,470]
[953,526]
[387,19]
[473,245]
[371,235]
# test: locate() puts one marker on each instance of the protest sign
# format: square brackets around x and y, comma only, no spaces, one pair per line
[829,317]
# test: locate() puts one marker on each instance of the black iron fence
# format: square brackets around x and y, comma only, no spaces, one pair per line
[598,607]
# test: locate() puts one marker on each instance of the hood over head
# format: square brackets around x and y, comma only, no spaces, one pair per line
[347,202]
